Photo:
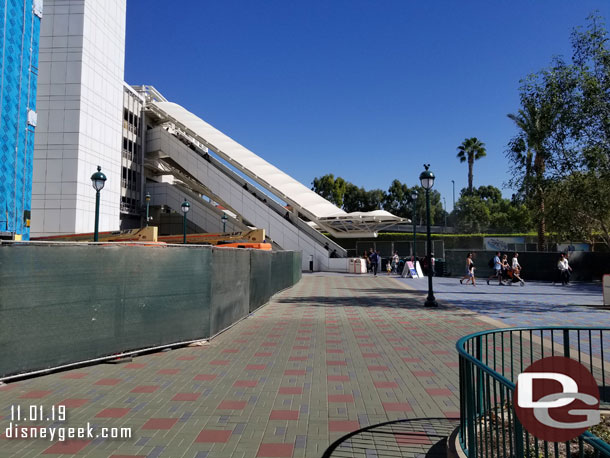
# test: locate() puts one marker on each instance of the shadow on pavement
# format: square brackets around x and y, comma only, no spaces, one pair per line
[406,438]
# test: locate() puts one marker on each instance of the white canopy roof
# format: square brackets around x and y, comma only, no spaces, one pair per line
[270,177]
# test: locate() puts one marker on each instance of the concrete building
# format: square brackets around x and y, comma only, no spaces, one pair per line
[20,34]
[80,113]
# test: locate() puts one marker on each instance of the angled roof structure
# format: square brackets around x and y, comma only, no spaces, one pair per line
[327,215]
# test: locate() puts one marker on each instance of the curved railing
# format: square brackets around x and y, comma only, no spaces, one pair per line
[490,362]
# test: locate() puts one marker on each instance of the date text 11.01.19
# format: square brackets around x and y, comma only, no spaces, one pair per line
[38,413]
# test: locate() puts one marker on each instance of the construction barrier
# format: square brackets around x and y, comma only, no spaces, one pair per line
[66,303]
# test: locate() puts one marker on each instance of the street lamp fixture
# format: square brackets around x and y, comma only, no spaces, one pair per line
[427,181]
[414,198]
[185,209]
[224,222]
[147,197]
[98,180]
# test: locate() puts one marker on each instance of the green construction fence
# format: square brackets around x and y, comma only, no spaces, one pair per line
[67,303]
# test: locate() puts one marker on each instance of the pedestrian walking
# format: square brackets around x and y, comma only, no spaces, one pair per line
[516,267]
[375,258]
[564,269]
[506,271]
[395,262]
[469,271]
[497,266]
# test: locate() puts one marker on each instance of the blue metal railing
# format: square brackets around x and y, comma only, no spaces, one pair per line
[490,362]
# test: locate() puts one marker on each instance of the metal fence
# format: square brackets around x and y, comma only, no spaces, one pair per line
[490,362]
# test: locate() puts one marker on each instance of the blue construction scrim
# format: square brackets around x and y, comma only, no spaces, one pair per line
[20,34]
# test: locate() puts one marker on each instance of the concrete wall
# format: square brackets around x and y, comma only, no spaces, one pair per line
[65,303]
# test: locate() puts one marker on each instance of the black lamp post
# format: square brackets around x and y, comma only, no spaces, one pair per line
[427,181]
[224,222]
[185,209]
[147,207]
[98,179]
[414,197]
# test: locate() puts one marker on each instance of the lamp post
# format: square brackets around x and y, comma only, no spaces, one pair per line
[147,207]
[185,209]
[453,183]
[224,222]
[98,179]
[445,205]
[427,181]
[414,197]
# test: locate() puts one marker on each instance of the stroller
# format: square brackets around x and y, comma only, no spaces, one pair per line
[510,276]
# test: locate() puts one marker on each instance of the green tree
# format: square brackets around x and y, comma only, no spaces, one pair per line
[330,188]
[470,150]
[398,200]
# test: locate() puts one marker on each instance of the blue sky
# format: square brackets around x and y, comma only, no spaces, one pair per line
[367,90]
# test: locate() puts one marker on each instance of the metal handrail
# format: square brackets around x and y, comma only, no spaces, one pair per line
[466,357]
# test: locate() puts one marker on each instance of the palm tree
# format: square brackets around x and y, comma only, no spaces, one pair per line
[535,120]
[471,150]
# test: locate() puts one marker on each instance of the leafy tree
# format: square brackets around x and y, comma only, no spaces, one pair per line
[563,147]
[472,214]
[330,188]
[398,200]
[470,150]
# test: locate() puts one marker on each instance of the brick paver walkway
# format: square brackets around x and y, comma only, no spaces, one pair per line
[331,355]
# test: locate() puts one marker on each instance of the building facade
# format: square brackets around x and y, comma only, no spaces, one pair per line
[20,32]
[80,112]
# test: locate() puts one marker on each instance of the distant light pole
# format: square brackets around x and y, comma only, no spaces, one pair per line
[185,209]
[453,183]
[414,197]
[445,205]
[147,207]
[224,222]
[427,181]
[98,179]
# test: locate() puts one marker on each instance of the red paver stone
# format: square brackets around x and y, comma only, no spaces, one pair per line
[452,364]
[145,389]
[275,451]
[36,394]
[294,372]
[440,352]
[73,402]
[268,344]
[245,383]
[340,398]
[439,392]
[66,447]
[232,405]
[371,355]
[75,375]
[402,348]
[134,366]
[284,415]
[412,360]
[378,368]
[336,363]
[160,423]
[303,339]
[338,378]
[205,377]
[186,397]
[384,384]
[412,438]
[334,341]
[186,358]
[113,412]
[256,367]
[262,354]
[297,358]
[396,406]
[333,350]
[301,347]
[214,436]
[343,426]
[290,390]
[220,362]
[452,414]
[423,373]
[168,371]
[366,344]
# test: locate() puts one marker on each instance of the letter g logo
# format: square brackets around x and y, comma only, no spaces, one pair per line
[557,399]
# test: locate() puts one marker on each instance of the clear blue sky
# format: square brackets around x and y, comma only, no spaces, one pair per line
[366,90]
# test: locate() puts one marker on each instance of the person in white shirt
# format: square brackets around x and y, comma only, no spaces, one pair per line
[564,269]
[516,267]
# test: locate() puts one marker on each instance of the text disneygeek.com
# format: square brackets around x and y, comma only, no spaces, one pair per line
[62,433]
